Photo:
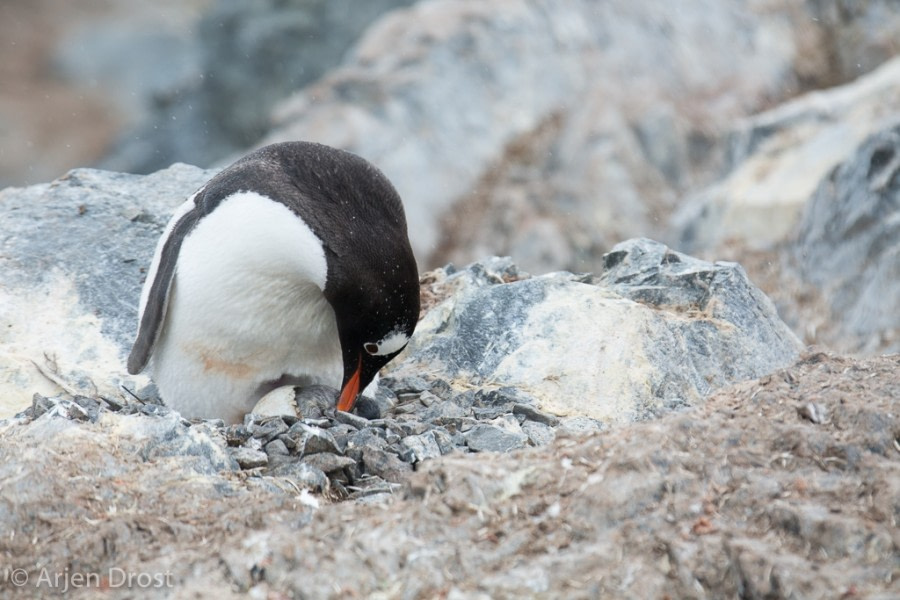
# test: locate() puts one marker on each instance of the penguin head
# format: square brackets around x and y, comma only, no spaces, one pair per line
[372,332]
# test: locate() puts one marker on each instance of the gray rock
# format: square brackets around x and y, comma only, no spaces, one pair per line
[446,443]
[539,433]
[90,406]
[457,424]
[40,405]
[264,429]
[379,406]
[305,475]
[416,448]
[328,463]
[427,398]
[392,437]
[780,158]
[342,434]
[579,426]
[351,419]
[79,408]
[313,440]
[452,410]
[384,464]
[507,422]
[366,438]
[406,427]
[489,438]
[533,414]
[649,273]
[88,275]
[441,389]
[168,435]
[369,485]
[277,448]
[236,435]
[465,401]
[848,245]
[412,385]
[248,458]
[656,330]
[439,411]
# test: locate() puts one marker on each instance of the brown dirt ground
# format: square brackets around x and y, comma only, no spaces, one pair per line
[783,487]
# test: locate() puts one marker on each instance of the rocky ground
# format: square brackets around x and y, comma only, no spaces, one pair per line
[782,487]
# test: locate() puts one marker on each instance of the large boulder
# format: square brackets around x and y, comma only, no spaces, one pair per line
[74,257]
[438,93]
[847,245]
[551,131]
[780,158]
[656,330]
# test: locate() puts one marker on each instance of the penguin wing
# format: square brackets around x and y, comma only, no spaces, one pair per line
[155,295]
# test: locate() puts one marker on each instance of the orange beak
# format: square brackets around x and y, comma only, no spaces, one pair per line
[350,391]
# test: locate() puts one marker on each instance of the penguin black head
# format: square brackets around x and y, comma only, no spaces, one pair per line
[373,330]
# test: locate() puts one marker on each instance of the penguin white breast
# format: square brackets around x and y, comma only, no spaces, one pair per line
[246,307]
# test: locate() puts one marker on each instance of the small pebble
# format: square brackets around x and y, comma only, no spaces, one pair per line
[351,419]
[814,412]
[378,407]
[441,389]
[384,464]
[533,414]
[313,440]
[248,458]
[579,425]
[416,448]
[427,398]
[328,463]
[413,385]
[489,438]
[305,475]
[236,435]
[444,440]
[538,433]
[276,447]
[264,428]
[407,409]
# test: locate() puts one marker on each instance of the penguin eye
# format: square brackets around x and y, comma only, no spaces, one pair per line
[371,348]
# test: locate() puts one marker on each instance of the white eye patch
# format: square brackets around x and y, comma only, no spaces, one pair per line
[393,342]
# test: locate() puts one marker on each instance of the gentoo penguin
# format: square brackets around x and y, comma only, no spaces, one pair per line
[293,265]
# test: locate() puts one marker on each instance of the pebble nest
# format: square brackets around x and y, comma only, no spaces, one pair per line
[362,455]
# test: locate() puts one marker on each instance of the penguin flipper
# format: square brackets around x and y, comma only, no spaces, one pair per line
[153,309]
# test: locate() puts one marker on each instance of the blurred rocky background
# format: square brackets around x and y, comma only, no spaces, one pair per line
[542,130]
